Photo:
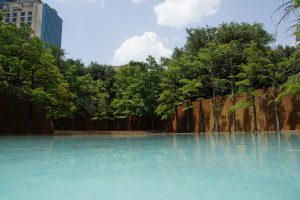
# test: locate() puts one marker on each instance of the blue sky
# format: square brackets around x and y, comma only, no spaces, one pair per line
[117,31]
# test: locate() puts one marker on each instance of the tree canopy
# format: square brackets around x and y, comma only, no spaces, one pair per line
[229,59]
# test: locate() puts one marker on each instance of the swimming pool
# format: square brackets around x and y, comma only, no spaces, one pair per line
[150,167]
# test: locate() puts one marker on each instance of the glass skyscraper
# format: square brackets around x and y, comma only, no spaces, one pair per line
[51,26]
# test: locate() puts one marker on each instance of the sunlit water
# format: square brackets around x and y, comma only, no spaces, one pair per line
[185,167]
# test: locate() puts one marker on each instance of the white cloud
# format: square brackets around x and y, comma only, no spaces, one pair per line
[137,1]
[138,48]
[178,13]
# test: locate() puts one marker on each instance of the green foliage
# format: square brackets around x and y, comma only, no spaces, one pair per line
[3,80]
[91,97]
[291,87]
[242,32]
[28,71]
[233,58]
[254,73]
[181,84]
[212,69]
[169,98]
[241,105]
[190,90]
[168,102]
[137,88]
[106,74]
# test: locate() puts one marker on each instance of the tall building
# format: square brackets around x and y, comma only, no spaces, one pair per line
[44,20]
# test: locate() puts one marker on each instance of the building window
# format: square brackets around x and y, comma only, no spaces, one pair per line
[22,14]
[15,14]
[29,18]
[7,20]
[7,15]
[14,20]
[22,19]
[30,13]
[29,23]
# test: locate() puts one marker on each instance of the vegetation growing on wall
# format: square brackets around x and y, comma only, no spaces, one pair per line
[230,59]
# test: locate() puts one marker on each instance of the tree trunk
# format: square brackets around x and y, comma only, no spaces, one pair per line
[128,125]
[30,118]
[139,124]
[278,128]
[233,99]
[73,124]
[42,121]
[216,125]
[234,122]
[188,119]
[202,119]
[152,123]
[254,115]
[14,119]
[176,120]
[52,126]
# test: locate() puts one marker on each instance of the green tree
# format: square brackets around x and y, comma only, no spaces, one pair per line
[106,74]
[91,97]
[244,33]
[189,91]
[291,86]
[181,85]
[209,62]
[169,98]
[29,73]
[253,74]
[137,88]
[278,73]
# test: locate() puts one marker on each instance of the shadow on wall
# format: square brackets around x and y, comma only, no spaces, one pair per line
[133,123]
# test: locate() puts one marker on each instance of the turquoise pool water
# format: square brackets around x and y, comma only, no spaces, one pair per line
[186,167]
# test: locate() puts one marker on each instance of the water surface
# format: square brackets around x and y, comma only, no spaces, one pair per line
[185,167]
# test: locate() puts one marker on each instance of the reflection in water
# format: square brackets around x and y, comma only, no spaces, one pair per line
[235,166]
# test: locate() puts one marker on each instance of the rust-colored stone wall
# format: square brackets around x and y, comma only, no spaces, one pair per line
[40,123]
[198,119]
[289,115]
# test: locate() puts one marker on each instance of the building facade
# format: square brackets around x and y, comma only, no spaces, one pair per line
[44,21]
